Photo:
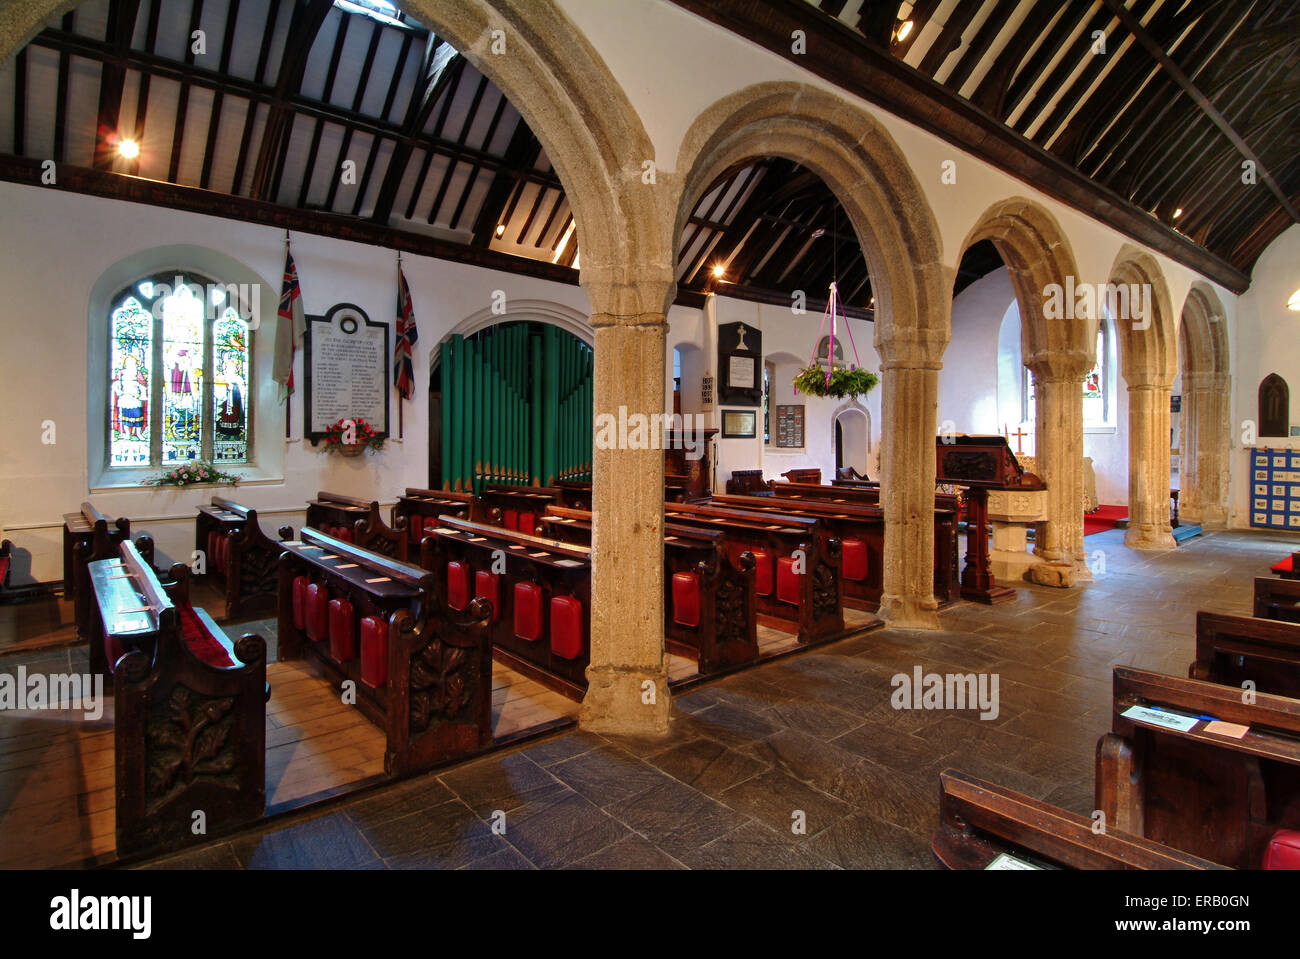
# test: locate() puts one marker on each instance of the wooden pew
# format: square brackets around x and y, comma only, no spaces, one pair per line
[89,536]
[979,821]
[748,483]
[1215,796]
[1277,599]
[420,509]
[576,494]
[516,508]
[357,521]
[709,611]
[862,522]
[803,475]
[240,555]
[1231,650]
[808,604]
[189,707]
[540,592]
[422,675]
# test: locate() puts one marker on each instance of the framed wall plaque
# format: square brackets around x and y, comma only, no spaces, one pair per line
[740,358]
[346,361]
[739,424]
[789,427]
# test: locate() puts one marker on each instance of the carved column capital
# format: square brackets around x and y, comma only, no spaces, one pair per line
[1069,366]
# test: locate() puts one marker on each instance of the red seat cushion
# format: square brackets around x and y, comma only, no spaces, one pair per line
[1286,566]
[343,633]
[788,582]
[528,611]
[374,652]
[855,559]
[512,519]
[686,599]
[345,534]
[457,585]
[430,524]
[202,643]
[1283,850]
[317,611]
[300,602]
[763,578]
[566,626]
[4,568]
[528,523]
[488,585]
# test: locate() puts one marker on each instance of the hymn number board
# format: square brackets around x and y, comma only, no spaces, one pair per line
[1275,500]
[347,362]
[740,364]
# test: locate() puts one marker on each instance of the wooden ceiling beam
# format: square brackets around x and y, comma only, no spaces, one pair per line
[980,43]
[218,96]
[1021,81]
[949,38]
[112,82]
[183,97]
[993,88]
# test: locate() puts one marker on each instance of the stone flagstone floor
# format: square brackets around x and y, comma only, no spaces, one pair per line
[813,733]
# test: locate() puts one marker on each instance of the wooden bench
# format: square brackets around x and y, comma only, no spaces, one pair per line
[89,536]
[419,509]
[240,556]
[516,508]
[1215,796]
[357,521]
[189,707]
[1277,599]
[540,594]
[709,611]
[421,674]
[979,822]
[748,483]
[859,524]
[1231,650]
[803,475]
[807,603]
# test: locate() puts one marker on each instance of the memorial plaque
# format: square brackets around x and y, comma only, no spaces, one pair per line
[789,427]
[740,350]
[347,363]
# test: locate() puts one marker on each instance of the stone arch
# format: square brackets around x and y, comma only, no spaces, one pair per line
[870,177]
[542,311]
[1206,384]
[1056,345]
[853,415]
[1137,299]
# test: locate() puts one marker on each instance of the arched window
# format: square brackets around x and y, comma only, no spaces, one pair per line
[1096,386]
[1274,406]
[824,351]
[179,362]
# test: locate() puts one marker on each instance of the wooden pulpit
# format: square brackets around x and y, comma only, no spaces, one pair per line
[980,463]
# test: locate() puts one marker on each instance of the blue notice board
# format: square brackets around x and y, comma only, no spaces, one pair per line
[1275,489]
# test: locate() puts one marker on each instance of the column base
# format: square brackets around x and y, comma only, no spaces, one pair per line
[901,613]
[616,702]
[1149,539]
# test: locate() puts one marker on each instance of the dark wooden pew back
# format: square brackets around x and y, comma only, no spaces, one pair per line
[240,556]
[357,521]
[419,509]
[1277,599]
[1232,650]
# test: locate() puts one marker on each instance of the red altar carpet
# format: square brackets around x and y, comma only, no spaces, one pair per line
[1103,518]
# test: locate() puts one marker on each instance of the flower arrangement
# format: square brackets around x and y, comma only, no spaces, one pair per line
[363,435]
[193,473]
[854,381]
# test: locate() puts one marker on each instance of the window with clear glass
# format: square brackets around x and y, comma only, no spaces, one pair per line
[179,369]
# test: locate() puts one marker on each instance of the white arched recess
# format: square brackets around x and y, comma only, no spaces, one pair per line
[517,311]
[854,421]
[267,459]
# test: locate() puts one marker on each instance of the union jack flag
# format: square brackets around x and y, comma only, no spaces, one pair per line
[290,327]
[407,335]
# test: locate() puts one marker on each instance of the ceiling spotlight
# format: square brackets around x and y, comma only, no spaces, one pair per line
[1294,302]
[904,30]
[719,270]
[128,149]
[1178,213]
[501,229]
[819,232]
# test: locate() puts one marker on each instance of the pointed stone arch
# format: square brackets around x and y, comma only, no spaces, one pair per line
[1057,346]
[870,177]
[1207,388]
[1148,358]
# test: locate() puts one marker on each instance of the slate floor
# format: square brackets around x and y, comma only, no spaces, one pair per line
[811,740]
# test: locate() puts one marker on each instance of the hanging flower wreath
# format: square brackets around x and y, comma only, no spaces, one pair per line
[363,436]
[817,380]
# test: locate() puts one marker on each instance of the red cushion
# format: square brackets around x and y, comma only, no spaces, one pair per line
[763,578]
[374,652]
[686,599]
[317,611]
[855,559]
[457,585]
[430,524]
[788,582]
[1283,850]
[300,602]
[4,568]
[343,634]
[528,611]
[512,519]
[202,643]
[345,534]
[566,626]
[488,585]
[528,523]
[1286,566]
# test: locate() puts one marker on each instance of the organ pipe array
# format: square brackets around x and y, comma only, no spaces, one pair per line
[516,407]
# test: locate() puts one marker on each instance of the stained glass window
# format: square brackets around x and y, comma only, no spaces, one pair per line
[130,363]
[190,331]
[230,389]
[1094,384]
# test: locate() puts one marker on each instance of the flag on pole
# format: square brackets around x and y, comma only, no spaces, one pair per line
[407,335]
[290,326]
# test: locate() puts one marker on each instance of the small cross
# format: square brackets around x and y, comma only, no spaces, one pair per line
[1019,434]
